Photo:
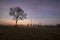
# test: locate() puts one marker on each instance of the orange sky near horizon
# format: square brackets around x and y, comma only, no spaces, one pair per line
[27,21]
[12,22]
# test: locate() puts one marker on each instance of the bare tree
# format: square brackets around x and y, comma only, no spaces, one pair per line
[17,14]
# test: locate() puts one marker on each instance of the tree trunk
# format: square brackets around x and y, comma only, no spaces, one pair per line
[16,22]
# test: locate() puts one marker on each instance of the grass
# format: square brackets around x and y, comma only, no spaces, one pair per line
[29,33]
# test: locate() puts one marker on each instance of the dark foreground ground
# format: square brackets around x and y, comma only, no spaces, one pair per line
[29,33]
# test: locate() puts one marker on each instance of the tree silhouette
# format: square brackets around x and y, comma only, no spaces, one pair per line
[17,14]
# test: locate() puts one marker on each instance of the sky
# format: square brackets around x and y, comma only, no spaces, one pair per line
[39,11]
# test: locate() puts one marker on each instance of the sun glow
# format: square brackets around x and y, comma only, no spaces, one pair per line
[28,21]
[12,22]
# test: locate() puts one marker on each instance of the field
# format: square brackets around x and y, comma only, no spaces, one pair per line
[29,33]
